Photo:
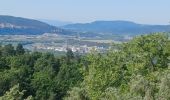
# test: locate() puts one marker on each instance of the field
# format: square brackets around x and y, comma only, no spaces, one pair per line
[57,43]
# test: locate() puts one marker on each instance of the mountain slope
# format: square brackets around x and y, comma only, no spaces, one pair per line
[117,27]
[55,22]
[18,25]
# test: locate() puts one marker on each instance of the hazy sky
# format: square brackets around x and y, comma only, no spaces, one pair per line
[141,11]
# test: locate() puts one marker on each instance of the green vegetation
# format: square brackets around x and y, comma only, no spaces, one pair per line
[137,70]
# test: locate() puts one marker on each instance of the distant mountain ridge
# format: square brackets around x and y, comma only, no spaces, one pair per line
[117,27]
[17,25]
[55,22]
[10,25]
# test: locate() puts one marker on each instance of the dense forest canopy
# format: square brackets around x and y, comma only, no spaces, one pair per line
[136,70]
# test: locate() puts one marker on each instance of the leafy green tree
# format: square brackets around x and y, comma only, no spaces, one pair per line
[15,94]
[69,55]
[142,56]
[45,69]
[77,94]
[43,84]
[8,50]
[19,49]
[3,64]
[68,76]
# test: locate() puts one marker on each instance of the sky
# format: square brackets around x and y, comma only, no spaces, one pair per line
[82,11]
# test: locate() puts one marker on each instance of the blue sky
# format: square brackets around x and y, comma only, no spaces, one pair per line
[141,11]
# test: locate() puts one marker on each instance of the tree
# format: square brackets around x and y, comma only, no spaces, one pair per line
[15,94]
[43,84]
[8,50]
[43,80]
[143,56]
[68,76]
[19,49]
[69,55]
[77,94]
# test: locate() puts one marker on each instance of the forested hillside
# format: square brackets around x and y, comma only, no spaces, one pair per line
[10,25]
[117,27]
[137,70]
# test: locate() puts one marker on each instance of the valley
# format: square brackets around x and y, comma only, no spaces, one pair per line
[84,50]
[58,44]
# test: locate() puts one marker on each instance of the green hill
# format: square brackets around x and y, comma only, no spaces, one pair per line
[16,25]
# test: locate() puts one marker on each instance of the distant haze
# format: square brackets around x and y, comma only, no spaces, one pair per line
[55,22]
[82,11]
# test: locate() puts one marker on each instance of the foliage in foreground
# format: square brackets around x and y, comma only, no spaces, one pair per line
[137,70]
